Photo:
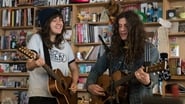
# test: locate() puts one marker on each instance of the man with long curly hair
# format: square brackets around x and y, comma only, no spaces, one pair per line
[128,49]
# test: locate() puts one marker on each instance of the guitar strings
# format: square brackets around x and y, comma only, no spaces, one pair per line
[147,55]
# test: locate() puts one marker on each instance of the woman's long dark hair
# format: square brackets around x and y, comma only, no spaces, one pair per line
[133,47]
[45,30]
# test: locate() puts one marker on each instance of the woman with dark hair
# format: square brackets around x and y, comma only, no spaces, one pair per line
[128,51]
[53,50]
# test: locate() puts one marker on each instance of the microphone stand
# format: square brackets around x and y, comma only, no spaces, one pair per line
[107,51]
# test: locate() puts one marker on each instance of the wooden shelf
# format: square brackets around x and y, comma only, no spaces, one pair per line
[83,75]
[8,50]
[152,24]
[16,27]
[177,34]
[80,5]
[178,77]
[175,0]
[15,74]
[20,7]
[137,1]
[180,94]
[12,88]
[177,20]
[54,6]
[11,61]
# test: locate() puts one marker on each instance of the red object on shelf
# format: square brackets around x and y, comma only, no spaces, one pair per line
[175,90]
[79,1]
[1,70]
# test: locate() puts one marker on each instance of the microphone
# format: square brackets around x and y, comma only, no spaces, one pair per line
[107,49]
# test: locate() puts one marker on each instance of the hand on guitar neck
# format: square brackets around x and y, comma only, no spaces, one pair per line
[35,63]
[142,76]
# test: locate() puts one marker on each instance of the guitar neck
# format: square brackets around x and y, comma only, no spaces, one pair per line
[152,68]
[33,55]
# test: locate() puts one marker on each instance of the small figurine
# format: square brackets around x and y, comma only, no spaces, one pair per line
[150,12]
[113,9]
[84,16]
[13,41]
[22,40]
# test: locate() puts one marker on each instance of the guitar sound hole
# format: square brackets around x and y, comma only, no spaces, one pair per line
[63,86]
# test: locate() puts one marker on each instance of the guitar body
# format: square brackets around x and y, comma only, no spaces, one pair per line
[60,89]
[105,81]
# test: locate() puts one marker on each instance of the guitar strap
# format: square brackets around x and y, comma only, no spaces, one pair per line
[46,55]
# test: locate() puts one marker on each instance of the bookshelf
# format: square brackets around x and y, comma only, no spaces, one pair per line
[177,37]
[30,25]
[13,75]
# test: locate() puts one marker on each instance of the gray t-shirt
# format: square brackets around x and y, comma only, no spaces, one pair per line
[60,58]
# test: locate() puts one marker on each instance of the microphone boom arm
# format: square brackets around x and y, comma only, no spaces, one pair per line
[107,49]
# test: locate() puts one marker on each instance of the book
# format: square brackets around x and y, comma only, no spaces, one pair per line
[85,31]
[12,18]
[9,18]
[79,33]
[94,54]
[4,17]
[89,52]
[29,15]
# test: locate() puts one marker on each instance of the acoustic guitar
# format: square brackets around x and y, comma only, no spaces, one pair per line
[58,83]
[117,83]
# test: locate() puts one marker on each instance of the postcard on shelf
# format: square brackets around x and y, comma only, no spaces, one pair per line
[174,50]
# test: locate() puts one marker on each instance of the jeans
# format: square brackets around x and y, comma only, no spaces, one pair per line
[42,100]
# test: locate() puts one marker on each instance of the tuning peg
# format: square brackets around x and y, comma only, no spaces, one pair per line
[158,72]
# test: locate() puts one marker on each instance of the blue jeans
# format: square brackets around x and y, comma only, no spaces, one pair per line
[42,100]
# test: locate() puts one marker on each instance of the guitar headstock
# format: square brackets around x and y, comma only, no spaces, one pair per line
[156,67]
[29,53]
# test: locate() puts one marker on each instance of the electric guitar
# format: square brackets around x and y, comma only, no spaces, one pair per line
[116,85]
[58,83]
